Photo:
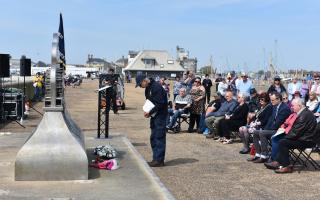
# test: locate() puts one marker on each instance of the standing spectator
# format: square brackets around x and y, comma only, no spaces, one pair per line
[155,93]
[207,84]
[222,88]
[316,86]
[231,84]
[177,85]
[293,87]
[37,84]
[113,82]
[43,89]
[165,86]
[244,85]
[312,103]
[218,81]
[277,86]
[188,81]
[197,93]
[304,90]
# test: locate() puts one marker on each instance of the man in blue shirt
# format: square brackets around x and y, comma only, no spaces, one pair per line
[244,85]
[226,108]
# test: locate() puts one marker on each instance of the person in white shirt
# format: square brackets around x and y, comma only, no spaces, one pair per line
[316,87]
[293,87]
[244,85]
[222,87]
[313,102]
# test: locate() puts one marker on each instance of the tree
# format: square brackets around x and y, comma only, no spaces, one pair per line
[205,70]
[41,64]
[260,73]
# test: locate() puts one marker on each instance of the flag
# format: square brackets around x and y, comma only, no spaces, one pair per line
[61,43]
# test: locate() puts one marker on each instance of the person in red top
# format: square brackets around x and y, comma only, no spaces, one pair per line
[302,135]
[281,132]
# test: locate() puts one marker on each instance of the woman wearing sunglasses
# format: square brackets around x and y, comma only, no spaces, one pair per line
[197,93]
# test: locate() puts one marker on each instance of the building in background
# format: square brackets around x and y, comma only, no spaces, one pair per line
[100,64]
[121,64]
[185,61]
[153,63]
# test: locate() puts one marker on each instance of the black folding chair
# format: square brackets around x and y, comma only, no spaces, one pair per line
[303,156]
[184,118]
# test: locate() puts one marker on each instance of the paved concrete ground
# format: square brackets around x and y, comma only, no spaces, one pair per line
[196,168]
[132,180]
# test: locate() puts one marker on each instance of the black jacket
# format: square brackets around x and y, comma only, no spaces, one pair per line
[207,83]
[278,117]
[273,89]
[303,128]
[240,114]
[158,96]
[264,115]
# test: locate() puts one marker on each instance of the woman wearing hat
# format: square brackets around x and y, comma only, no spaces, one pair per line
[277,86]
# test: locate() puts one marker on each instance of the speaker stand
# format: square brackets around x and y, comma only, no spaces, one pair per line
[17,108]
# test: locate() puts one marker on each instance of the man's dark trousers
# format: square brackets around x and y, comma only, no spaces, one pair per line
[208,94]
[158,137]
[285,145]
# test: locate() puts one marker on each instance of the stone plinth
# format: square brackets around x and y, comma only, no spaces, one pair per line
[54,151]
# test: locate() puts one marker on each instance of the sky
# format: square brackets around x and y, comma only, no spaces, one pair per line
[238,34]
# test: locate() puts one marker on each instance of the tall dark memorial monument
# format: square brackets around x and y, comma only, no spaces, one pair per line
[56,149]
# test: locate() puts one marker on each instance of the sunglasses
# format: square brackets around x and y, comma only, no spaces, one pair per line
[197,81]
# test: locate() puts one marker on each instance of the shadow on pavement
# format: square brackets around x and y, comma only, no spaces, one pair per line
[94,173]
[180,161]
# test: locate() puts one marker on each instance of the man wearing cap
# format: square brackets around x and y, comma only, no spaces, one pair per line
[155,93]
[244,85]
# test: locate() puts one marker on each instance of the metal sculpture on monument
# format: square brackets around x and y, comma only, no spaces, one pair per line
[56,149]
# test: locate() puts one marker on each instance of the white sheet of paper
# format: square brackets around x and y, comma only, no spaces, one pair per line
[103,88]
[148,106]
[279,132]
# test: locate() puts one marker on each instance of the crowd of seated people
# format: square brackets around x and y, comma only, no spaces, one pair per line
[269,123]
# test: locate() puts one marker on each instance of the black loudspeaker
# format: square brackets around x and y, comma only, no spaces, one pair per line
[4,65]
[25,66]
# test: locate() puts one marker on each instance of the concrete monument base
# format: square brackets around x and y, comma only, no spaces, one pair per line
[54,151]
